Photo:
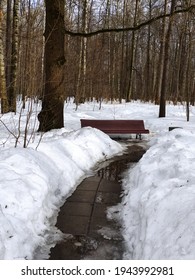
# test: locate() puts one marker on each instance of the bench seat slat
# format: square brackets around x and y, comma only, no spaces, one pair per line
[125,131]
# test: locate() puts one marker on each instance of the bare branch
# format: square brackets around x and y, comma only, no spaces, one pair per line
[8,129]
[132,28]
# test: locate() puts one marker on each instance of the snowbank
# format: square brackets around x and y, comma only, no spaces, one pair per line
[158,210]
[34,183]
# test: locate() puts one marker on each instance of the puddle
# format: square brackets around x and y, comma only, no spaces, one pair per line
[112,170]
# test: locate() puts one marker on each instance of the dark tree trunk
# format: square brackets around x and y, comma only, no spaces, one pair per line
[51,115]
[162,107]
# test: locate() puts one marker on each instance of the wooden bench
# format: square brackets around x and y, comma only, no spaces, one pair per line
[118,127]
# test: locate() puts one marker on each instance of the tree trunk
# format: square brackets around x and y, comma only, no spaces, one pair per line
[85,26]
[27,55]
[8,42]
[160,67]
[132,55]
[51,115]
[147,82]
[14,58]
[162,108]
[3,93]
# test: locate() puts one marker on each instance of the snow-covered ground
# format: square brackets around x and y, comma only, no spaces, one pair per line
[158,209]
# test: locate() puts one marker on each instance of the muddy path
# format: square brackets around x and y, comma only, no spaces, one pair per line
[89,234]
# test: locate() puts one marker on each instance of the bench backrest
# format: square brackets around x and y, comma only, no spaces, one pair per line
[115,124]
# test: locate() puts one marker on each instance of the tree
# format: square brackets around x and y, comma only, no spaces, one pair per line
[8,42]
[147,73]
[132,53]
[160,98]
[51,115]
[162,108]
[81,80]
[14,58]
[3,92]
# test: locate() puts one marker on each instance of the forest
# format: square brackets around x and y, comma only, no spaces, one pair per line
[102,49]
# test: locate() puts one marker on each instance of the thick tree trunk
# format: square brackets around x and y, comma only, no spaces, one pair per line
[51,115]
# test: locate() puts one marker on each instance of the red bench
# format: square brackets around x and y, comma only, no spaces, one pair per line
[118,127]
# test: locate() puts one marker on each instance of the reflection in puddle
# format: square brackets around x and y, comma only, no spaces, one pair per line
[113,170]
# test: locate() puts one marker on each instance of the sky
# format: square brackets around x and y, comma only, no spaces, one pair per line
[157,210]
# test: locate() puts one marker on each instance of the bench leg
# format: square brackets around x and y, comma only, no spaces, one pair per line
[139,136]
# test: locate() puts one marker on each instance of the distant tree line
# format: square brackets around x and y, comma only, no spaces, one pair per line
[139,64]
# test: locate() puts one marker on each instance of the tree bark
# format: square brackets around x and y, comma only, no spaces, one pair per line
[14,58]
[162,108]
[51,115]
[132,55]
[8,42]
[3,92]
[161,60]
[147,82]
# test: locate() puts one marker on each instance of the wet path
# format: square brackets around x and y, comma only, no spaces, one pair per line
[83,217]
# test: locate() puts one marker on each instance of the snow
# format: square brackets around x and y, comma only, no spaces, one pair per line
[157,210]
